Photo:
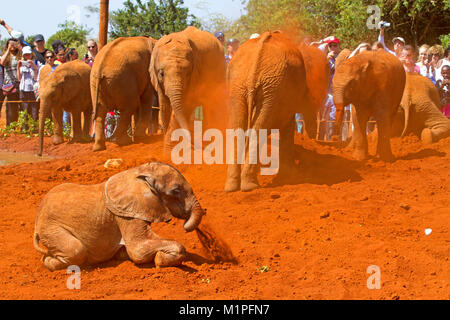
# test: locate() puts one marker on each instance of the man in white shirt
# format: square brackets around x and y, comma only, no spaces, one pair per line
[399,43]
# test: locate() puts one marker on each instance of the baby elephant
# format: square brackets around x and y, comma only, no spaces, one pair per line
[85,225]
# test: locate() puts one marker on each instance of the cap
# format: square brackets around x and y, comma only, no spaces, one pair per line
[219,34]
[17,35]
[27,50]
[39,37]
[333,39]
[399,39]
[254,36]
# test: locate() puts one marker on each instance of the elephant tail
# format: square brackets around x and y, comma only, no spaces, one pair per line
[36,244]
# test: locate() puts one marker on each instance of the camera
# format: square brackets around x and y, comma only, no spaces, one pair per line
[384,24]
[86,56]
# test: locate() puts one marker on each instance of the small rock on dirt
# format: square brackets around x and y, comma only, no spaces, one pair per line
[113,163]
[405,206]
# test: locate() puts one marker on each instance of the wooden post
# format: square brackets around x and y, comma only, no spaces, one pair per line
[103,30]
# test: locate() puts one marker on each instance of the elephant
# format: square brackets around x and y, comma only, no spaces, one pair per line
[317,81]
[67,87]
[373,82]
[120,80]
[86,225]
[267,84]
[188,70]
[420,104]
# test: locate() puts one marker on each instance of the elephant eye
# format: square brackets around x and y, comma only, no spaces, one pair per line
[176,192]
[161,73]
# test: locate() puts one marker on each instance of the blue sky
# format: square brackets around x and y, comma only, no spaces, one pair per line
[33,17]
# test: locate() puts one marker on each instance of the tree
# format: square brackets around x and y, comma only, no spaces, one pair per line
[72,34]
[418,21]
[148,18]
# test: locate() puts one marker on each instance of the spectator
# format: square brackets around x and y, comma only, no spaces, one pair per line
[9,61]
[2,97]
[220,36]
[60,55]
[71,55]
[444,56]
[444,90]
[39,50]
[232,47]
[15,34]
[407,58]
[399,43]
[334,48]
[361,48]
[377,45]
[27,73]
[89,58]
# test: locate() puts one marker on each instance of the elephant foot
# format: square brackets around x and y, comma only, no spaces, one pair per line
[247,186]
[232,185]
[76,140]
[360,155]
[57,140]
[99,146]
[164,260]
[426,136]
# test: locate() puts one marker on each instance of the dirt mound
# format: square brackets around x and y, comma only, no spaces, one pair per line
[312,236]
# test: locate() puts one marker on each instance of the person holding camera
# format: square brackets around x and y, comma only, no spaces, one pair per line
[10,87]
[27,73]
[399,42]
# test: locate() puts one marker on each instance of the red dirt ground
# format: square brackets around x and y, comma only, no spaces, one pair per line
[317,235]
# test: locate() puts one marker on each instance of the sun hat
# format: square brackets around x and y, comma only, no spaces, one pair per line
[399,39]
[27,50]
[254,36]
[333,40]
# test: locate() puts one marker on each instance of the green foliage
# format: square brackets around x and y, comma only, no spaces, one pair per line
[445,40]
[27,126]
[72,34]
[418,21]
[148,18]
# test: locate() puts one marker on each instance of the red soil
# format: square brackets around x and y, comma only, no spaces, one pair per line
[317,235]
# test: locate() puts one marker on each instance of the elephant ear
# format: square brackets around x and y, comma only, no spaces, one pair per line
[131,194]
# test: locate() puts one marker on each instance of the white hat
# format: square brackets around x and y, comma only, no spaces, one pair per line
[254,36]
[27,50]
[399,39]
[17,35]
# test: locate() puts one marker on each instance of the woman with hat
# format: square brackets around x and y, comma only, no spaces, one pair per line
[27,73]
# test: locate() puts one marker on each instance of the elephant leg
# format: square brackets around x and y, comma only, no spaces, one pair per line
[144,246]
[359,139]
[77,134]
[287,149]
[58,135]
[145,111]
[87,122]
[69,251]
[384,125]
[238,120]
[436,133]
[100,115]
[121,135]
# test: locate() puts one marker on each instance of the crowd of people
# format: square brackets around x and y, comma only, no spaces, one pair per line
[20,66]
[432,62]
[21,62]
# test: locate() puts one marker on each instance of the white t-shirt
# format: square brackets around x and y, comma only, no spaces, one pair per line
[27,81]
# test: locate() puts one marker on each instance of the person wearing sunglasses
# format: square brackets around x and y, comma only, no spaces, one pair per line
[89,58]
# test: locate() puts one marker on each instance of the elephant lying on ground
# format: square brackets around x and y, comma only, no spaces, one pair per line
[373,81]
[120,80]
[66,88]
[421,104]
[188,70]
[266,79]
[84,225]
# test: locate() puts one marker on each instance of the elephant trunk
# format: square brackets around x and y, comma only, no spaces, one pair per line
[176,101]
[196,217]
[407,114]
[42,115]
[339,103]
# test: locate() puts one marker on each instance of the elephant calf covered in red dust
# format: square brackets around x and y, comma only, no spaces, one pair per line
[84,225]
